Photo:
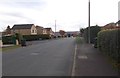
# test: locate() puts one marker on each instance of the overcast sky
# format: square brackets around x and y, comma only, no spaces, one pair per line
[70,15]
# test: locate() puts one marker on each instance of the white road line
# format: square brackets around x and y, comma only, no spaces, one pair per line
[74,61]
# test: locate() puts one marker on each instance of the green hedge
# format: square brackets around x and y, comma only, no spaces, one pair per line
[109,43]
[12,39]
[36,37]
[8,39]
[93,33]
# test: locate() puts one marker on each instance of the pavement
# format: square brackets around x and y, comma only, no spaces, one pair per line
[8,45]
[91,62]
[49,58]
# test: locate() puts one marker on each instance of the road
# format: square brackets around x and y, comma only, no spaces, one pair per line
[48,58]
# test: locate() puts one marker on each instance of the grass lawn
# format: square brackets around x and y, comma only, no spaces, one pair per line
[79,40]
[9,48]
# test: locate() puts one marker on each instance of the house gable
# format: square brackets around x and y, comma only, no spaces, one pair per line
[24,29]
[33,30]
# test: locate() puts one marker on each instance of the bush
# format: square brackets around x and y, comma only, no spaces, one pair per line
[109,43]
[19,37]
[7,39]
[36,37]
[93,33]
[45,36]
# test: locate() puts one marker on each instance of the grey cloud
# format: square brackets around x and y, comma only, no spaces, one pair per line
[17,15]
[14,14]
[24,4]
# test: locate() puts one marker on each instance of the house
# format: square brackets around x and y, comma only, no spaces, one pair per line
[109,26]
[44,31]
[57,34]
[49,31]
[1,40]
[24,29]
[7,32]
[39,29]
[118,23]
[72,33]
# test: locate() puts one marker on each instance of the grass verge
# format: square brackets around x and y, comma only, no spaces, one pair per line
[79,40]
[10,48]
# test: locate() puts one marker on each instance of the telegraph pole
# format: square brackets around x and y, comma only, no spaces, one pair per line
[89,22]
[55,27]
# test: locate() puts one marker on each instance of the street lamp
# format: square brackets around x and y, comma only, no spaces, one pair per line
[89,22]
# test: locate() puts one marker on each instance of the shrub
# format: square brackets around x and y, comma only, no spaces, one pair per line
[19,37]
[44,36]
[8,39]
[109,43]
[36,37]
[93,33]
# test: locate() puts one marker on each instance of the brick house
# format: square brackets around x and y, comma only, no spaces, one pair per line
[40,29]
[44,31]
[49,31]
[109,26]
[24,29]
[7,32]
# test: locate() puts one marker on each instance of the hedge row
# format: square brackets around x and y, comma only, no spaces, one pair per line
[12,39]
[36,37]
[93,33]
[109,43]
[8,39]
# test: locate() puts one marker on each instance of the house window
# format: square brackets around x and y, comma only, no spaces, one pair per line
[32,31]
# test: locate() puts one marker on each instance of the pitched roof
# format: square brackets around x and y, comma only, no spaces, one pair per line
[48,29]
[118,22]
[22,26]
[39,26]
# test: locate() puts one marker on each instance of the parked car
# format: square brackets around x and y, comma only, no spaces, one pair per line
[23,42]
[95,42]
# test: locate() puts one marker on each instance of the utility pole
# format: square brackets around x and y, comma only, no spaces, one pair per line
[89,22]
[55,27]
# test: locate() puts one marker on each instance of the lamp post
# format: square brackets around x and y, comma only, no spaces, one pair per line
[89,22]
[55,28]
[55,25]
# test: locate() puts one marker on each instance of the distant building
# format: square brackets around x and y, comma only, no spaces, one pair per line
[72,33]
[109,26]
[68,34]
[40,29]
[49,31]
[44,31]
[24,29]
[118,23]
[7,32]
[1,40]
[57,34]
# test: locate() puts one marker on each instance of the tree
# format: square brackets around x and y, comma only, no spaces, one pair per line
[8,30]
[19,37]
[81,31]
[62,33]
[93,33]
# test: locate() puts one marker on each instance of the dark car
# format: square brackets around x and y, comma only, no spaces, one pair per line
[23,42]
[95,42]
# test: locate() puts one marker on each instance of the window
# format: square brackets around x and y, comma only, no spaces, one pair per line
[32,31]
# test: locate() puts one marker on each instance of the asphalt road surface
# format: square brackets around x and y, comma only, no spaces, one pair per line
[48,58]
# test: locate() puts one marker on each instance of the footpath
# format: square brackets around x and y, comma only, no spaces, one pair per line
[91,62]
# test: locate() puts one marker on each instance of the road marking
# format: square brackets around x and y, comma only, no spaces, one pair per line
[34,54]
[82,57]
[74,61]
